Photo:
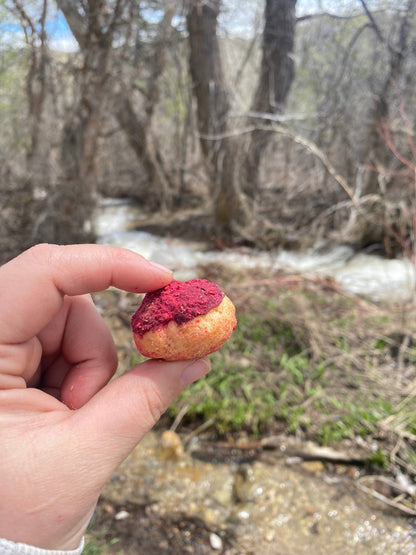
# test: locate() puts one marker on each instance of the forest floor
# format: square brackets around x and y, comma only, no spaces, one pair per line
[307,361]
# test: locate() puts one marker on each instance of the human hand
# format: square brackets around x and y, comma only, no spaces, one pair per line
[64,428]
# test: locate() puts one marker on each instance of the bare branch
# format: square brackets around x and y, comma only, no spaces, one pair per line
[307,17]
[318,153]
[77,23]
[374,25]
[280,118]
[118,10]
[246,58]
[164,33]
[309,145]
[361,484]
[26,21]
[347,53]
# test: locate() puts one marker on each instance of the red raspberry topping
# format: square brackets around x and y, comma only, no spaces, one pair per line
[180,301]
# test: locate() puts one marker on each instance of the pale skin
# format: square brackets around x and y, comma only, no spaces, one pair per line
[64,426]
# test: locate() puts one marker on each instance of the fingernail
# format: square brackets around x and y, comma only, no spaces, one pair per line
[195,371]
[160,267]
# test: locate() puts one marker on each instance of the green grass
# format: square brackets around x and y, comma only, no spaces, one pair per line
[234,398]
[241,393]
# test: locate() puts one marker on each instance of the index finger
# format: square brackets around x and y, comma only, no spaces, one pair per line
[33,284]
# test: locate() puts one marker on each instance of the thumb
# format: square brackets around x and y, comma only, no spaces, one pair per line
[112,423]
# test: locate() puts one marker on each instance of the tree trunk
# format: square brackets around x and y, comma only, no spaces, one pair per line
[207,78]
[212,110]
[138,128]
[277,72]
[277,67]
[140,137]
[233,168]
[37,163]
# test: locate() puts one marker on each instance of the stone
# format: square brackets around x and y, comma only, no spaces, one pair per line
[215,541]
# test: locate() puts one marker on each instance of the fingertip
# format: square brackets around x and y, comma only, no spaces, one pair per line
[160,267]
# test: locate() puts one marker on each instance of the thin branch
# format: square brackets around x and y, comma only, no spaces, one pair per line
[373,22]
[26,21]
[318,15]
[309,145]
[115,20]
[179,417]
[377,495]
[163,37]
[407,125]
[204,426]
[343,64]
[385,133]
[246,58]
[318,153]
[280,118]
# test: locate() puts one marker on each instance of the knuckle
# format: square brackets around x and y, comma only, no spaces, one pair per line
[152,403]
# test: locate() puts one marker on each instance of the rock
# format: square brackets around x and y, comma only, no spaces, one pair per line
[270,536]
[215,541]
[314,467]
[171,447]
[244,487]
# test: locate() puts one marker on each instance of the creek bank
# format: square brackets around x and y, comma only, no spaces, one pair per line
[162,503]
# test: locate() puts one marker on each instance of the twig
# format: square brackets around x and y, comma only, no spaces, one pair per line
[400,355]
[407,124]
[310,451]
[318,153]
[279,118]
[385,133]
[179,417]
[377,495]
[204,426]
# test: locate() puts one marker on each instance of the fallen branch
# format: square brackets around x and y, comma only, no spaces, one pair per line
[311,451]
[395,503]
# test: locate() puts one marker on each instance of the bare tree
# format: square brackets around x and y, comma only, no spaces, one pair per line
[36,79]
[276,76]
[375,150]
[233,164]
[70,204]
[212,104]
[138,126]
[18,209]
